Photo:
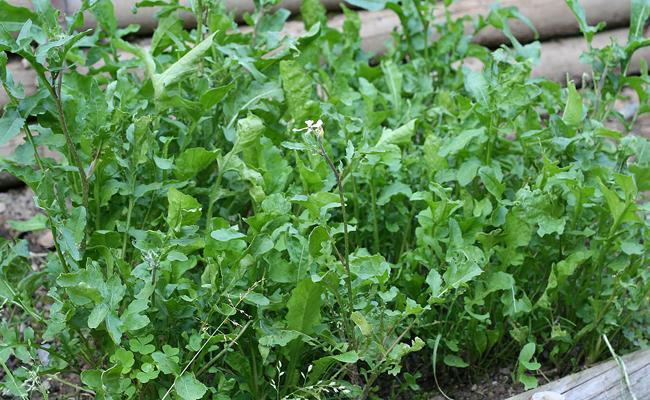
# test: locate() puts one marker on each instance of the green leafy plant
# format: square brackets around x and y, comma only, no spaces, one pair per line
[240,214]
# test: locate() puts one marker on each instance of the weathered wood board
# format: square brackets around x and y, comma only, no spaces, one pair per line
[603,381]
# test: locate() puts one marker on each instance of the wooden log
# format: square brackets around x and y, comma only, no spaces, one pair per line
[605,381]
[146,16]
[552,18]
[559,59]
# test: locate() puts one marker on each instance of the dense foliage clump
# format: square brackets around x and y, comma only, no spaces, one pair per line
[243,215]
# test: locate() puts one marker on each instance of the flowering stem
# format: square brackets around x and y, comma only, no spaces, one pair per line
[346,254]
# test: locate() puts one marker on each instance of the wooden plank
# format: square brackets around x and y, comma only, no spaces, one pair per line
[603,381]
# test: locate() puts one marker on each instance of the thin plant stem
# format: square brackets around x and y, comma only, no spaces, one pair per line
[41,166]
[199,21]
[621,365]
[377,370]
[346,254]
[213,190]
[11,376]
[223,351]
[72,385]
[205,343]
[56,94]
[373,206]
[354,372]
[129,213]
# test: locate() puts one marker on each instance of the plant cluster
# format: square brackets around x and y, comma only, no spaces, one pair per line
[243,215]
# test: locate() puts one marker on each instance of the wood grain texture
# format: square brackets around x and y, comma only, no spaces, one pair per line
[603,381]
[552,18]
[559,59]
[146,17]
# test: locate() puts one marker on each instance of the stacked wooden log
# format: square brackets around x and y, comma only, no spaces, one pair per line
[555,24]
[552,19]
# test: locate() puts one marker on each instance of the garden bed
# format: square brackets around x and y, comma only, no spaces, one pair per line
[233,212]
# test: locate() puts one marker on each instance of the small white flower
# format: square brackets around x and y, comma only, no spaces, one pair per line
[315,128]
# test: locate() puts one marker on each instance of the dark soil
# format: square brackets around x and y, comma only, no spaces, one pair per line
[496,385]
[18,204]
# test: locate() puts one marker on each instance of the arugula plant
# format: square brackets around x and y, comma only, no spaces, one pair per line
[240,214]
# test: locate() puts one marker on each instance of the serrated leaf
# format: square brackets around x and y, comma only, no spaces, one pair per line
[313,12]
[298,90]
